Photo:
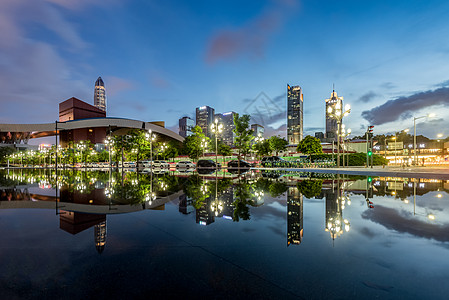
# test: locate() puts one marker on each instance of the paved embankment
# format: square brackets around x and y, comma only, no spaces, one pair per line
[415,172]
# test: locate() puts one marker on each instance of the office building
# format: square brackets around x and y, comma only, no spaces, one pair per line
[295,101]
[100,94]
[204,118]
[227,120]
[186,125]
[258,130]
[331,123]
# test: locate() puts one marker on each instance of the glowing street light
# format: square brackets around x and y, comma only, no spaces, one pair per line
[337,112]
[151,137]
[216,129]
[414,135]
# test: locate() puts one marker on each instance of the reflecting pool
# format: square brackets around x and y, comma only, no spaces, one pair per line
[257,235]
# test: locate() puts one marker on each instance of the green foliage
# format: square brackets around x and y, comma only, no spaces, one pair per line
[262,148]
[310,145]
[5,152]
[310,188]
[192,144]
[274,188]
[244,135]
[277,144]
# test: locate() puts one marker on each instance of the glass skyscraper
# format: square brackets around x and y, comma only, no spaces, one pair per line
[186,125]
[228,135]
[100,94]
[295,101]
[204,118]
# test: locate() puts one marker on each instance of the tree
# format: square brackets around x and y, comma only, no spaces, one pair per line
[262,148]
[192,144]
[310,145]
[277,144]
[5,152]
[243,133]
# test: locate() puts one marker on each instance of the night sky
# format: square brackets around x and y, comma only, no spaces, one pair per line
[161,59]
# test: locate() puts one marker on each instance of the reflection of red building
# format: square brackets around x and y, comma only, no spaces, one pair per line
[75,109]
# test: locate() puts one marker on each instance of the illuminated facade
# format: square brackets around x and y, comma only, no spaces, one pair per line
[294,216]
[227,120]
[204,118]
[186,125]
[295,101]
[100,94]
[331,123]
[100,236]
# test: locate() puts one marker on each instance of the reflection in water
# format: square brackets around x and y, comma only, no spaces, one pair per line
[84,199]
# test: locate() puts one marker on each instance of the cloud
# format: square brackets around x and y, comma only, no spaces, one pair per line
[387,85]
[442,84]
[250,39]
[404,107]
[368,97]
[159,82]
[115,85]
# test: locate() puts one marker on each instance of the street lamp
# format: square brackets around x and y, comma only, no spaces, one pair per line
[439,136]
[259,139]
[203,145]
[109,142]
[344,133]
[337,112]
[81,146]
[151,136]
[216,129]
[414,134]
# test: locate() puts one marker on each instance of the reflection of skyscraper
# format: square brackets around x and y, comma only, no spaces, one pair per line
[100,236]
[295,101]
[100,94]
[331,123]
[334,213]
[204,215]
[294,216]
[185,204]
[204,118]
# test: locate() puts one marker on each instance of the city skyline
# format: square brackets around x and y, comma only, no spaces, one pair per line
[386,59]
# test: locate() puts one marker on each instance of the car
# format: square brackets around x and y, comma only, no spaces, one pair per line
[129,164]
[144,164]
[207,164]
[272,161]
[185,164]
[234,164]
[161,164]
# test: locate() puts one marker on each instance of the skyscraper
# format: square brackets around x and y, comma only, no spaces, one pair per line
[205,117]
[227,120]
[295,101]
[258,130]
[331,124]
[100,94]
[186,125]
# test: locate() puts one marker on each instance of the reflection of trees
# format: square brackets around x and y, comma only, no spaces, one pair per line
[242,194]
[274,188]
[310,188]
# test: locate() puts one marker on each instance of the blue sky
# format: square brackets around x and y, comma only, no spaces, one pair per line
[161,59]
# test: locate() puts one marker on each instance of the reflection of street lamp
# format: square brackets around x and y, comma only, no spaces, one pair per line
[414,135]
[216,206]
[216,129]
[336,112]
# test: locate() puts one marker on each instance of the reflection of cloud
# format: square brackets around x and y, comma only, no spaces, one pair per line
[407,223]
[367,232]
[396,109]
[249,39]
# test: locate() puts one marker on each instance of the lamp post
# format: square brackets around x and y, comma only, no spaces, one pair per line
[259,139]
[203,145]
[439,136]
[151,136]
[81,146]
[109,143]
[345,133]
[337,112]
[414,135]
[216,129]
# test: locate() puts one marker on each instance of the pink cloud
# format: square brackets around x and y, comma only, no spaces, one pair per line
[251,39]
[158,81]
[115,85]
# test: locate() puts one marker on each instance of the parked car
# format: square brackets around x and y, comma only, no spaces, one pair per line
[272,161]
[234,164]
[144,164]
[129,164]
[161,164]
[207,164]
[185,164]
